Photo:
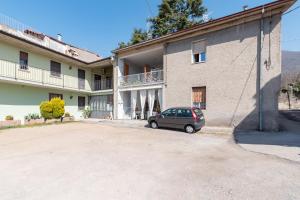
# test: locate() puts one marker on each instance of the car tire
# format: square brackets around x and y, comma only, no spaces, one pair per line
[153,125]
[189,129]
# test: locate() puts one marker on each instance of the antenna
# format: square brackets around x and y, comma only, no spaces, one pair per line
[206,16]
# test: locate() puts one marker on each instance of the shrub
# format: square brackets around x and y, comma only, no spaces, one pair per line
[58,107]
[52,109]
[9,118]
[67,114]
[86,113]
[55,108]
[32,116]
[46,110]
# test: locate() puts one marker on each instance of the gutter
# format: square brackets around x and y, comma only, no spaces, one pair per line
[281,5]
[259,65]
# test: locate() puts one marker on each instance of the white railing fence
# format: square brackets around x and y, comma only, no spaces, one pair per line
[14,27]
[13,70]
[13,23]
[103,84]
[141,79]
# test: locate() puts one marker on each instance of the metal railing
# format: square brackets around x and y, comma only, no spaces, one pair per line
[103,84]
[141,79]
[15,71]
[16,28]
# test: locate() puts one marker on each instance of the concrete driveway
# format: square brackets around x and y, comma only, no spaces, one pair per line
[93,161]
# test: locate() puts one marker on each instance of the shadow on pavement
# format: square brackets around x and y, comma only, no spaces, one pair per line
[280,138]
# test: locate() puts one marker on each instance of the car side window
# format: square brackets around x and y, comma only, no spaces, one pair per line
[184,113]
[169,113]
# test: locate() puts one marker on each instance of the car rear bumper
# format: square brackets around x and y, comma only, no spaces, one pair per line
[199,125]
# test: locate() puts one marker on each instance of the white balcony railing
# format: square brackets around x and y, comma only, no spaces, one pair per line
[13,71]
[141,79]
[19,29]
[103,84]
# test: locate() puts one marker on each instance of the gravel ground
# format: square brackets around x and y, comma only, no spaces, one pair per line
[97,161]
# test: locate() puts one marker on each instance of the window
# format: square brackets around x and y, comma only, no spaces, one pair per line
[23,60]
[199,97]
[108,82]
[170,113]
[184,113]
[199,51]
[55,68]
[81,79]
[81,102]
[53,95]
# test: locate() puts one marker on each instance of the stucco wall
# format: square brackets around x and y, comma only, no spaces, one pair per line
[19,101]
[11,53]
[229,74]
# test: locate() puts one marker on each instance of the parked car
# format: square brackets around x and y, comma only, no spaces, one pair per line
[190,119]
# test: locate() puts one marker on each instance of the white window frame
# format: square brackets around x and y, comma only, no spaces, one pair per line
[192,52]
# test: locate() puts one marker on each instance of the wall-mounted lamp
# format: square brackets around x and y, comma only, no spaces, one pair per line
[70,67]
[71,97]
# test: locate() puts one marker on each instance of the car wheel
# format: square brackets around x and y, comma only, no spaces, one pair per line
[189,129]
[154,125]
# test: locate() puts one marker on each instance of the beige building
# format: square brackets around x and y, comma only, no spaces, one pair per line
[35,67]
[230,67]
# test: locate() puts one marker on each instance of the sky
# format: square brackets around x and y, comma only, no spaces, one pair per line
[99,25]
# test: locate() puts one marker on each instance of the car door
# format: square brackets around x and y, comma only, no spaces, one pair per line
[183,117]
[167,118]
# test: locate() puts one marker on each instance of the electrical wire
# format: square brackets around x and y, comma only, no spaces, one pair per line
[291,10]
[149,7]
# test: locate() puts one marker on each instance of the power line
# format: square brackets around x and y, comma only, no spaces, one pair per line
[291,10]
[149,7]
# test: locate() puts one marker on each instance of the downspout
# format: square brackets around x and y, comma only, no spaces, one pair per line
[260,46]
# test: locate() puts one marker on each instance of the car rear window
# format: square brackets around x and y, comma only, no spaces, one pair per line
[184,113]
[198,112]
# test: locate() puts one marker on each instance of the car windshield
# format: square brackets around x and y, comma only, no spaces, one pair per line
[198,112]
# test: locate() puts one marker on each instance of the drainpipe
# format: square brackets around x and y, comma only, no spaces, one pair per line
[260,46]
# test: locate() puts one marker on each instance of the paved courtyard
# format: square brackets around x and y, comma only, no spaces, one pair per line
[99,161]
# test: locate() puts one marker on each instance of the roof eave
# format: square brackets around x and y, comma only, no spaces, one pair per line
[281,5]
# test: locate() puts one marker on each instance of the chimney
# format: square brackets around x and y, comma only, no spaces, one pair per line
[59,37]
[245,7]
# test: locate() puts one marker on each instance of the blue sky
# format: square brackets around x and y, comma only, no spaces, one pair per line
[99,25]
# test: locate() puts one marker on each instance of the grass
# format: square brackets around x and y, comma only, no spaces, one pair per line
[36,125]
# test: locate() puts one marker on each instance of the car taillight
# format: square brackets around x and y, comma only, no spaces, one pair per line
[195,117]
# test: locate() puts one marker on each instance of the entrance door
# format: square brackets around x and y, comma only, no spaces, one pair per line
[81,79]
[97,82]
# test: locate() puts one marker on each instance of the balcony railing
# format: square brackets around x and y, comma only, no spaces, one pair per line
[103,84]
[141,79]
[19,29]
[13,71]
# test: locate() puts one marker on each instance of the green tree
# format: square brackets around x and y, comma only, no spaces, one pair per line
[296,89]
[175,15]
[138,36]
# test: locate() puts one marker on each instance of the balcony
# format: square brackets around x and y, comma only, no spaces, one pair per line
[11,71]
[103,84]
[149,78]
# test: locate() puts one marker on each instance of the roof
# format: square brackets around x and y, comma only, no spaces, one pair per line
[48,43]
[83,54]
[280,6]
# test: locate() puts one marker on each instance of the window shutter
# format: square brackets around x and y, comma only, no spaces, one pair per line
[199,47]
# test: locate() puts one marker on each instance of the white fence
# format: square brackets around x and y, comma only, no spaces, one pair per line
[11,70]
[141,79]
